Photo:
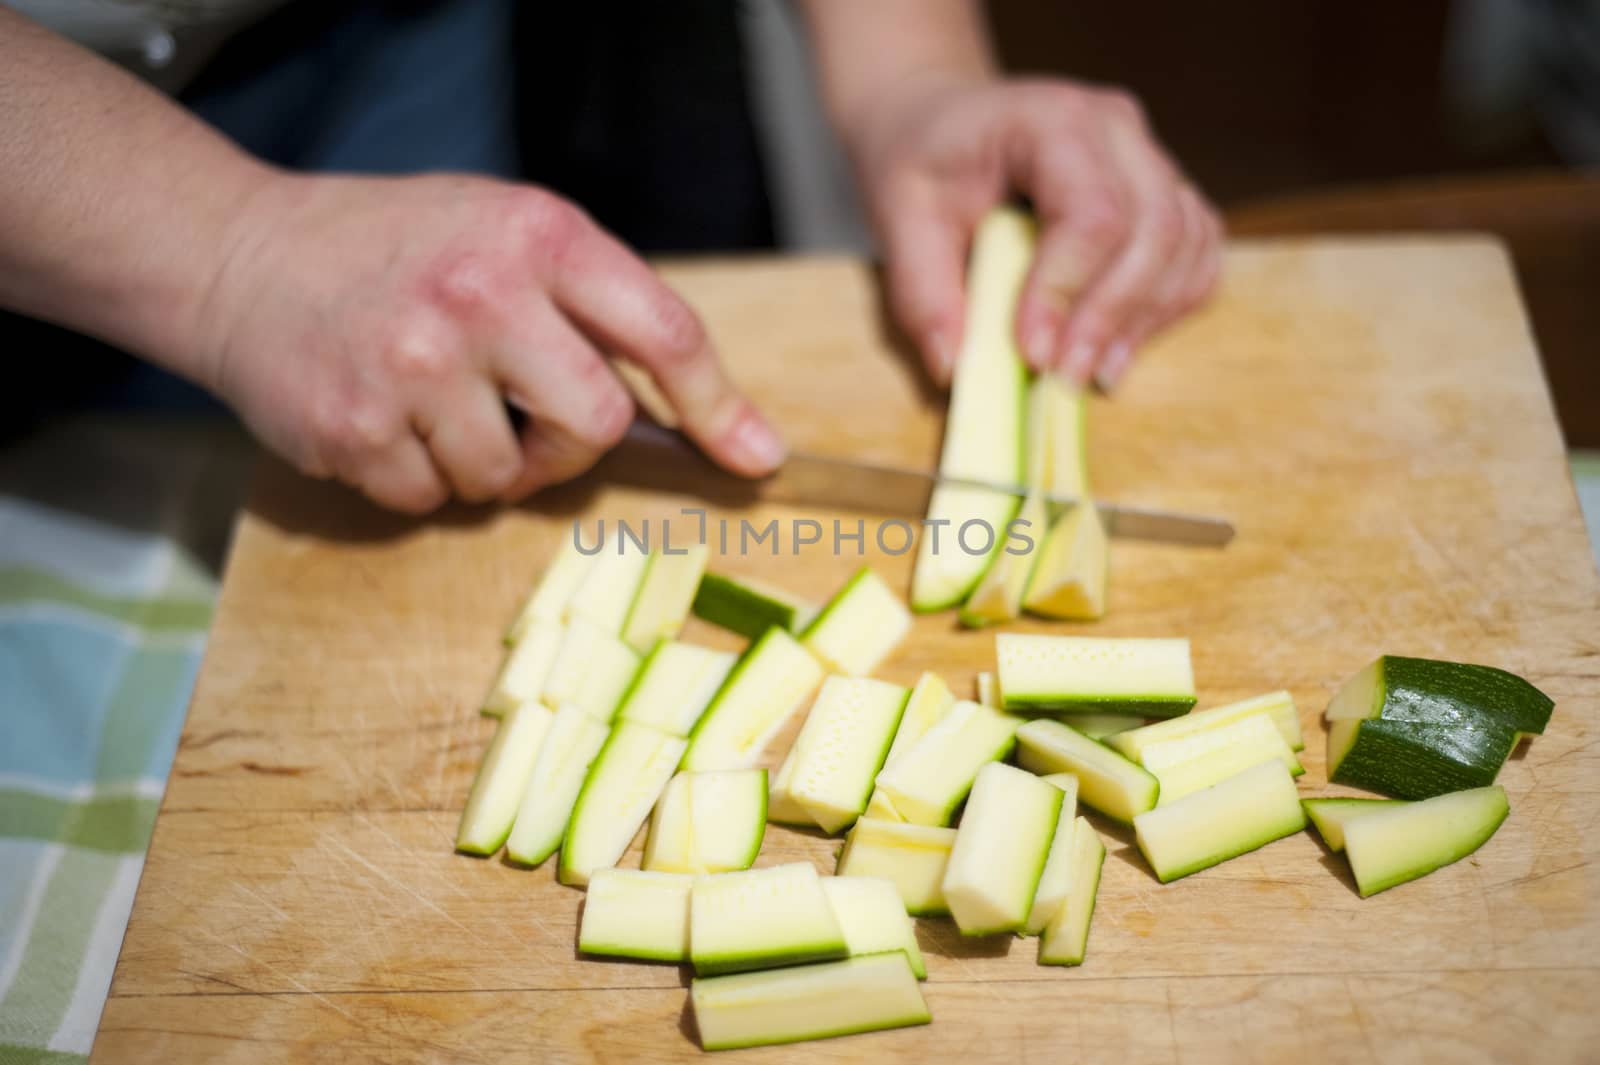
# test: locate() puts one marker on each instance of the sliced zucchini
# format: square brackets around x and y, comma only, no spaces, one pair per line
[569,748]
[1100,726]
[608,590]
[998,596]
[930,700]
[881,807]
[862,994]
[628,775]
[1226,820]
[1058,428]
[1070,579]
[988,690]
[1143,678]
[1413,760]
[859,628]
[557,585]
[912,857]
[708,822]
[842,746]
[1429,692]
[1056,880]
[750,607]
[1279,706]
[782,808]
[1066,938]
[1331,815]
[665,595]
[1409,840]
[628,913]
[761,919]
[1106,780]
[502,778]
[873,918]
[983,436]
[592,670]
[669,845]
[933,777]
[675,684]
[1000,850]
[1189,763]
[766,688]
[527,666]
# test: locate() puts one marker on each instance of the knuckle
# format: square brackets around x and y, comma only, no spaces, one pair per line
[550,224]
[413,352]
[465,284]
[1099,221]
[681,337]
[609,420]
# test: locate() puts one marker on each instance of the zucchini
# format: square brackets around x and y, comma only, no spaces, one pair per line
[1278,705]
[628,775]
[1441,693]
[1058,429]
[841,747]
[1071,577]
[606,594]
[1406,841]
[983,437]
[988,690]
[930,700]
[665,595]
[998,596]
[502,778]
[1143,678]
[766,688]
[1331,815]
[873,918]
[750,607]
[1066,938]
[1100,726]
[669,845]
[912,857]
[592,670]
[1237,816]
[708,822]
[557,585]
[862,994]
[527,666]
[933,777]
[761,919]
[1411,760]
[569,748]
[1190,763]
[674,685]
[1106,780]
[859,628]
[1000,850]
[632,914]
[1056,880]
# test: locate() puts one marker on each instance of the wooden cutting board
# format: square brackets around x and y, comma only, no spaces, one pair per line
[1372,415]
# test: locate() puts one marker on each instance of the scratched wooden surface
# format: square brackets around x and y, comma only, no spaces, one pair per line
[1370,413]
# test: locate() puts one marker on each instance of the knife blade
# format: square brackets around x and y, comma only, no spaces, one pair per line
[650,454]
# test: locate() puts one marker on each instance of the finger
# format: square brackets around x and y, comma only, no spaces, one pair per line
[926,253]
[1084,215]
[1203,280]
[402,477]
[615,298]
[469,435]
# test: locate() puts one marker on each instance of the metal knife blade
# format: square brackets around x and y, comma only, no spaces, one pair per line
[655,451]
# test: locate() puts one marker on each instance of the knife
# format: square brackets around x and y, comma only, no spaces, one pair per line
[651,453]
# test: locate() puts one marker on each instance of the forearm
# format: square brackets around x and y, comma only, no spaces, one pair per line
[118,210]
[868,51]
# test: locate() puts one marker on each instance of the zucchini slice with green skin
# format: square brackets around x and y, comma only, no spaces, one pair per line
[527,667]
[502,778]
[569,748]
[988,690]
[860,627]
[933,777]
[1331,815]
[750,607]
[930,700]
[766,688]
[1056,880]
[629,913]
[1278,705]
[1100,726]
[983,436]
[627,777]
[606,594]
[1430,692]
[761,919]
[1066,939]
[1237,816]
[998,596]
[1413,760]
[1106,780]
[1000,850]
[912,857]
[841,747]
[864,994]
[1189,763]
[1141,678]
[669,845]
[1070,579]
[873,918]
[708,822]
[1409,840]
[593,670]
[674,685]
[665,595]
[557,585]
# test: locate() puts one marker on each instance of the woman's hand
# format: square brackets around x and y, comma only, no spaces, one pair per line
[375,329]
[1127,244]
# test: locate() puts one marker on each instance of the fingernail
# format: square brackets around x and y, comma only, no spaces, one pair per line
[760,444]
[1118,356]
[1039,342]
[1079,358]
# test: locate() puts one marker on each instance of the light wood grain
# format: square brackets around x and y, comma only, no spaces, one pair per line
[1371,415]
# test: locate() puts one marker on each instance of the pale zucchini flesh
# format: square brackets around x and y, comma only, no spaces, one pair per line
[988,690]
[1056,879]
[527,666]
[502,778]
[569,748]
[606,594]
[592,670]
[930,700]
[1278,705]
[556,587]
[1223,821]
[761,919]
[1410,840]
[665,595]
[933,777]
[1070,579]
[863,994]
[1058,457]
[842,746]
[674,685]
[1000,850]
[860,627]
[998,596]
[1332,815]
[782,809]
[766,688]
[1140,677]
[750,607]
[1066,938]
[669,843]
[1189,763]
[728,815]
[1099,726]
[1106,781]
[629,913]
[912,857]
[873,918]
[627,777]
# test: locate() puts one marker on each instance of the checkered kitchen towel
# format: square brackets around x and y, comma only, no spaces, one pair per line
[101,631]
